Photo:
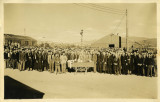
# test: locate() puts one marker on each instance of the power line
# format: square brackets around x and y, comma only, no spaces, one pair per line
[98,9]
[108,8]
[116,28]
[112,11]
[105,9]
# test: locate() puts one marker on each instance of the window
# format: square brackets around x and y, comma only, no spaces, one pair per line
[111,45]
[119,42]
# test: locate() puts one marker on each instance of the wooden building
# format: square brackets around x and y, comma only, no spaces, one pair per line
[108,41]
[22,40]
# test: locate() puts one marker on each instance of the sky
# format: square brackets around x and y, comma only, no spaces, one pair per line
[63,22]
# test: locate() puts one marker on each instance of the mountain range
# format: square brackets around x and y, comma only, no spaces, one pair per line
[132,40]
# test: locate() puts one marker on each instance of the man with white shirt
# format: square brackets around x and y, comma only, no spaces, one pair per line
[63,60]
[51,61]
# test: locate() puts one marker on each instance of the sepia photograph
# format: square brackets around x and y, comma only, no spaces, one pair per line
[80,51]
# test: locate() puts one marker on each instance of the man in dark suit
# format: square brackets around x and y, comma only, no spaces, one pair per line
[140,64]
[35,59]
[125,69]
[105,62]
[129,68]
[110,63]
[119,64]
[45,60]
[30,60]
[98,62]
[40,65]
[13,57]
[6,58]
[17,59]
[150,65]
[132,63]
[135,57]
[144,64]
[123,63]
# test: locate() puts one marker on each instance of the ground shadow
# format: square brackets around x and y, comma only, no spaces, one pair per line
[14,89]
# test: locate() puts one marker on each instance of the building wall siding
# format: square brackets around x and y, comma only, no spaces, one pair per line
[111,39]
[22,42]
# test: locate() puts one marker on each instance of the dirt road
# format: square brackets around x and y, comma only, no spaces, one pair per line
[90,85]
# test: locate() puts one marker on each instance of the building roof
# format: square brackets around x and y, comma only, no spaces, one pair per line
[106,39]
[18,37]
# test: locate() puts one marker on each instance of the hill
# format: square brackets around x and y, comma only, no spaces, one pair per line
[132,40]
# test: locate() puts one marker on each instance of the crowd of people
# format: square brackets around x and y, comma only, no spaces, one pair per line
[110,61]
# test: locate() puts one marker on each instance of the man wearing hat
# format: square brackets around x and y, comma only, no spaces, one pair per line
[110,63]
[6,58]
[57,63]
[155,65]
[125,69]
[115,63]
[135,58]
[94,58]
[98,62]
[63,60]
[13,57]
[104,61]
[150,65]
[119,64]
[140,64]
[51,61]
[39,57]
[45,60]
[145,61]
[129,68]
[22,59]
[132,62]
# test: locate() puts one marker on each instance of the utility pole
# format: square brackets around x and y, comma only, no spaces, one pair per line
[126,32]
[81,33]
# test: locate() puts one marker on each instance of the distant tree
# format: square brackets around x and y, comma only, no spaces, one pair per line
[46,45]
